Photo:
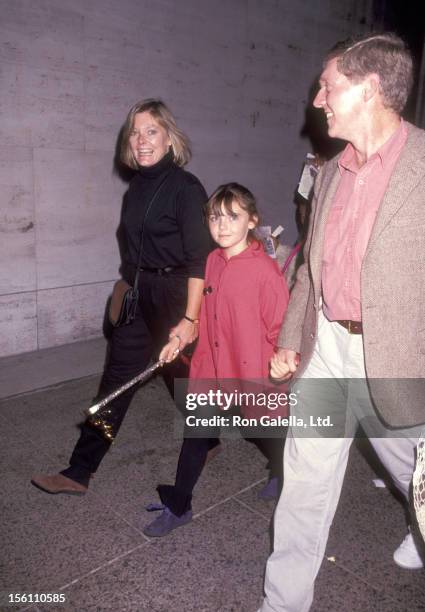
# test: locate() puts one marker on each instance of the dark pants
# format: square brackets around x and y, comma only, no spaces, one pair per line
[193,454]
[162,304]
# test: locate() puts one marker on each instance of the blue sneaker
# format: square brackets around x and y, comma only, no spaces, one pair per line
[166,522]
[270,489]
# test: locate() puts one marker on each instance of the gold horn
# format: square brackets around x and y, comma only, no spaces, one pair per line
[98,418]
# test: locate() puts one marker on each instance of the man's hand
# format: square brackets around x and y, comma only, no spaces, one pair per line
[283,364]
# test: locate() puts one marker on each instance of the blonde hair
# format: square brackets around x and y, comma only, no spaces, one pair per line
[180,143]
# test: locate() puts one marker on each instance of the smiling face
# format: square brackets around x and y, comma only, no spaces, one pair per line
[341,100]
[229,229]
[148,140]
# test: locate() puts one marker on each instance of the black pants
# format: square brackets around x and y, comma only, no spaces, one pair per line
[193,454]
[162,304]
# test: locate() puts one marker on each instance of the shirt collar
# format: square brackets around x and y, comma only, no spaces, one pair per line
[385,153]
[254,248]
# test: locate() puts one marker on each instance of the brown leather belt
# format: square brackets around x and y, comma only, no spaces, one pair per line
[353,327]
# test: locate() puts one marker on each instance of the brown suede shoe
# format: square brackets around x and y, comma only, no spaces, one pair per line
[58,483]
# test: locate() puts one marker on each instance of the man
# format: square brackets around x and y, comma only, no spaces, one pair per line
[354,332]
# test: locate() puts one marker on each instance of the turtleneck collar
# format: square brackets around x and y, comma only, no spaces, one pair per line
[160,167]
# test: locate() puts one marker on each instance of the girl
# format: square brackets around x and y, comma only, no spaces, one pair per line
[244,302]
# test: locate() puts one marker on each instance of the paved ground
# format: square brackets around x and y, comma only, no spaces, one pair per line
[92,549]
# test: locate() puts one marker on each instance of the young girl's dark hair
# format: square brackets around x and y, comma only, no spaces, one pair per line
[224,196]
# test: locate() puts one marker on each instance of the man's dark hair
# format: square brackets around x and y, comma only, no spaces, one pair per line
[383,54]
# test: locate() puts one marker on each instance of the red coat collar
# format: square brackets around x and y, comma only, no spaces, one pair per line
[254,249]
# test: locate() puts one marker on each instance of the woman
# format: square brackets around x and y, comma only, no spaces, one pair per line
[164,202]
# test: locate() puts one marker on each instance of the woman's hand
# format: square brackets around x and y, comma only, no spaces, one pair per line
[186,330]
[170,350]
[181,335]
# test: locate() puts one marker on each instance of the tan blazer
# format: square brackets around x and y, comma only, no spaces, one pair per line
[392,287]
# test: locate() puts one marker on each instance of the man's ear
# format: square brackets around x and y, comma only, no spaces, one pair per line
[371,86]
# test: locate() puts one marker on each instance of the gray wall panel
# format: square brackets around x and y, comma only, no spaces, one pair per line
[236,73]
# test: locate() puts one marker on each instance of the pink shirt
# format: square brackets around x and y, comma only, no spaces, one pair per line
[245,300]
[350,223]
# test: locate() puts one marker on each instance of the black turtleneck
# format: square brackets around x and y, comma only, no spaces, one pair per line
[174,233]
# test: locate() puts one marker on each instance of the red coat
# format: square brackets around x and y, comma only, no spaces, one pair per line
[245,300]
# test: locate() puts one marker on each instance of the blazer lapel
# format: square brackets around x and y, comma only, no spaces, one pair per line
[408,171]
[325,197]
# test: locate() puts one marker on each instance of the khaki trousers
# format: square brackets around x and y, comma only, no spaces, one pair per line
[315,464]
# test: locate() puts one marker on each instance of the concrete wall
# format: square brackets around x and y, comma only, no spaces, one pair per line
[236,73]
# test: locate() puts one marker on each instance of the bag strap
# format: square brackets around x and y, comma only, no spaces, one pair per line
[153,198]
[291,256]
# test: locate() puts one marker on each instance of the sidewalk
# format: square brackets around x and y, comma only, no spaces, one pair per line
[92,549]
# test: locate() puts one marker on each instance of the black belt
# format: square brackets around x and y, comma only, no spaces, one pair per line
[353,327]
[161,271]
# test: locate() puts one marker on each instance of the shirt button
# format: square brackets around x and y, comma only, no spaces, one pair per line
[216,344]
[361,182]
[312,335]
[215,317]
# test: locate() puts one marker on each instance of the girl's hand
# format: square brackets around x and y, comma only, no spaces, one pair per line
[283,364]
